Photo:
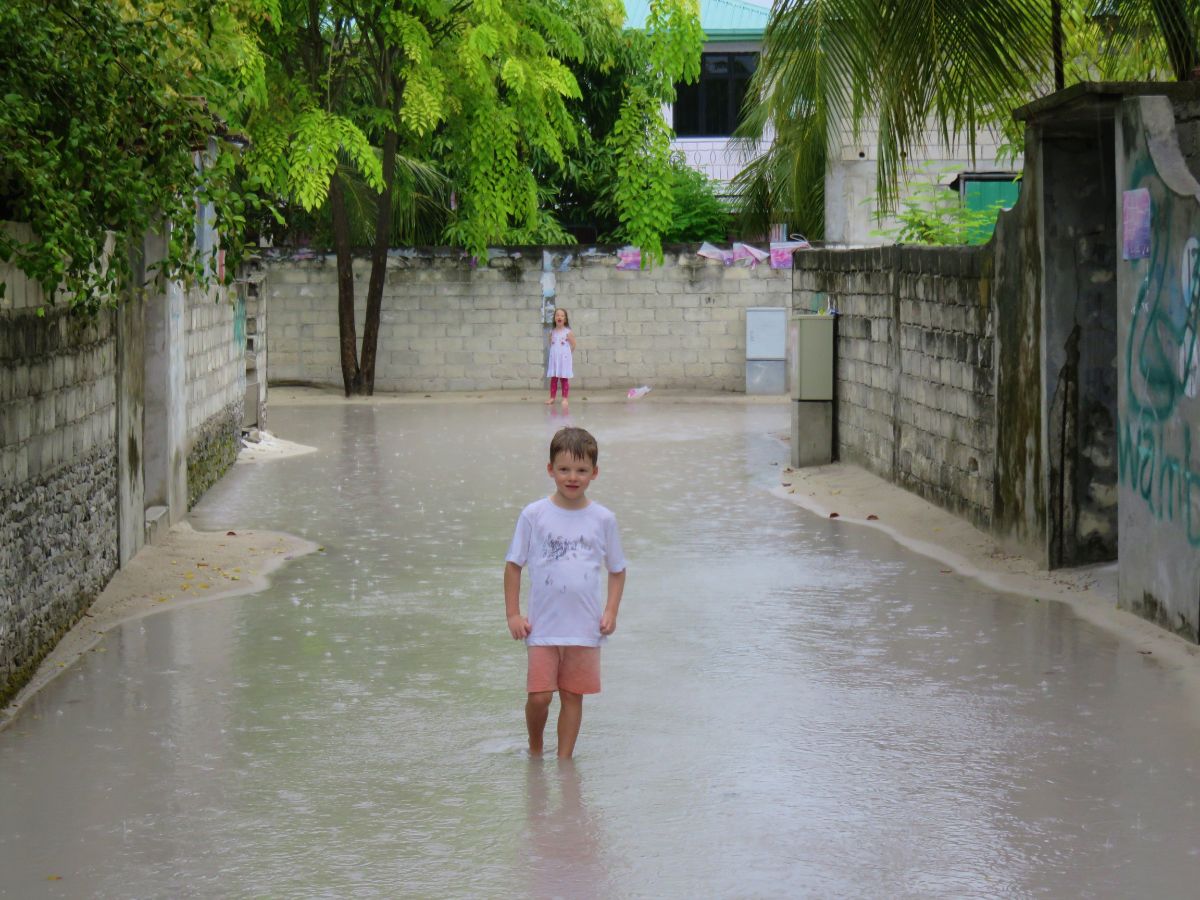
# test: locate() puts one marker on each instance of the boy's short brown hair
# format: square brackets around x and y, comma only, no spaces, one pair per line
[576,442]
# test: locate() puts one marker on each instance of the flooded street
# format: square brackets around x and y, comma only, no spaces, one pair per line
[792,706]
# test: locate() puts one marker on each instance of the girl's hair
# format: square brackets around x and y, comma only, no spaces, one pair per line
[566,317]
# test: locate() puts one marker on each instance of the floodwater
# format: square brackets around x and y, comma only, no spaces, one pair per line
[792,706]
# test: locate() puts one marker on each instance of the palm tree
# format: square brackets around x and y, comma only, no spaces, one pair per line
[959,66]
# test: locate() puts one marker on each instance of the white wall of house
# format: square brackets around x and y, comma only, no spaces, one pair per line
[719,157]
[850,178]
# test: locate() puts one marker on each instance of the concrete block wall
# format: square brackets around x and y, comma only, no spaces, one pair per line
[447,325]
[58,472]
[915,397]
[215,384]
[1187,127]
[1158,369]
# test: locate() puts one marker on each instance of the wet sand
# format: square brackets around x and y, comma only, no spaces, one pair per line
[194,566]
[854,495]
[185,568]
[873,722]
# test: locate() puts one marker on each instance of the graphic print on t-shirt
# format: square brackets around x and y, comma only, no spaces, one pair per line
[557,548]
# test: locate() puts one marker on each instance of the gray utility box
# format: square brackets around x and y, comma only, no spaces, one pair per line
[766,350]
[810,347]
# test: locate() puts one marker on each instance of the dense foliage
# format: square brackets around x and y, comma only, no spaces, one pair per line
[425,119]
[106,107]
[901,68]
[416,101]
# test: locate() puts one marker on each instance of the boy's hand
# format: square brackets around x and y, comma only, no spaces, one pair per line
[608,622]
[518,627]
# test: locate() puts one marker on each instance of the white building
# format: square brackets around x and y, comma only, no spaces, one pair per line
[705,115]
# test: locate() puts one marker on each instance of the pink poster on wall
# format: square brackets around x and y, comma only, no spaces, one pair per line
[1135,224]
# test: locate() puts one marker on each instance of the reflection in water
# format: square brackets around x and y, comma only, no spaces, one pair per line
[791,707]
[565,845]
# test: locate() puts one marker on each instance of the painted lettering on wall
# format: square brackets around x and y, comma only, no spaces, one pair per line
[1161,360]
[1166,480]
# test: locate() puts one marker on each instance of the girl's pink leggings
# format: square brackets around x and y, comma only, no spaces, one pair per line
[566,385]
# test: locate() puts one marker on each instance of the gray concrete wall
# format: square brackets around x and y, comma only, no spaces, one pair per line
[915,394]
[1080,338]
[1187,126]
[101,418]
[58,472]
[1158,367]
[1019,506]
[215,385]
[449,326]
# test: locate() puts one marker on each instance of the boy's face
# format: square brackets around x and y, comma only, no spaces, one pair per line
[571,475]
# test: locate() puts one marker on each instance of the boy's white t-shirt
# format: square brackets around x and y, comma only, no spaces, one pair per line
[566,551]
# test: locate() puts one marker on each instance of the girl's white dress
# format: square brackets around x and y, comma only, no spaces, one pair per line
[560,364]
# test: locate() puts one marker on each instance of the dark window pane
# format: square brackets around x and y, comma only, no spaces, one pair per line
[716,107]
[713,106]
[714,64]
[737,98]
[687,109]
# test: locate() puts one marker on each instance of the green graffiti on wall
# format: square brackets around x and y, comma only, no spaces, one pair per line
[1155,440]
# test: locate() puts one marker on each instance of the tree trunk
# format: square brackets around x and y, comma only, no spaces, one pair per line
[383,237]
[347,335]
[1177,30]
[1056,44]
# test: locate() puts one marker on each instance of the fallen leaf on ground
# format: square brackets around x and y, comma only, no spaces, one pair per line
[834,515]
[945,571]
[231,534]
[203,585]
[872,518]
[1146,652]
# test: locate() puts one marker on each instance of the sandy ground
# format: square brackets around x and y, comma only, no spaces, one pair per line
[302,395]
[191,566]
[186,567]
[855,495]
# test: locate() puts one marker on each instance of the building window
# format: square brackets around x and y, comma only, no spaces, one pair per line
[712,106]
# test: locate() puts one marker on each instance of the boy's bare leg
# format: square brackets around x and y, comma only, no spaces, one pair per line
[570,717]
[537,710]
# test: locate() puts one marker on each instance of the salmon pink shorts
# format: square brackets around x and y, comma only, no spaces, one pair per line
[572,669]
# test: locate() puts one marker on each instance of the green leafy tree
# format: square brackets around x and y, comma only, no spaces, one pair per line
[106,109]
[932,213]
[367,91]
[902,65]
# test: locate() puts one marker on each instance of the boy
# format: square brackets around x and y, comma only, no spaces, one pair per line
[566,539]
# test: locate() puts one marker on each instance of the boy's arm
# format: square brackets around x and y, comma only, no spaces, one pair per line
[518,625]
[616,587]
